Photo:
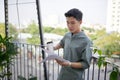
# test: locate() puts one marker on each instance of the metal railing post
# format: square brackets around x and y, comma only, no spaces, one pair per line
[6,29]
[6,17]
[41,38]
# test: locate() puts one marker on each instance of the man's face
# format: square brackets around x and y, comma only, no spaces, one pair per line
[73,24]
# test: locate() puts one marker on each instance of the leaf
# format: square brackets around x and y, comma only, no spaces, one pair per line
[7,52]
[105,63]
[95,50]
[101,61]
[99,52]
[113,75]
[21,78]
[33,78]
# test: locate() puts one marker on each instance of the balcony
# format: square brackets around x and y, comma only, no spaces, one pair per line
[27,64]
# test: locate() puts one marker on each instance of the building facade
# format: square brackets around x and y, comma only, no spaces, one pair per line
[113,16]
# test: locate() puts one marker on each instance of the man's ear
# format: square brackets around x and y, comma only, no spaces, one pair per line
[80,21]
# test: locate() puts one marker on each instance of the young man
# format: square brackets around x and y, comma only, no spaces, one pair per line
[76,46]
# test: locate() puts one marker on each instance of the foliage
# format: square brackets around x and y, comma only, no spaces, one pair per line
[97,34]
[2,29]
[33,29]
[101,60]
[7,53]
[109,43]
[48,29]
[34,40]
[88,29]
[114,75]
[12,31]
[60,31]
[23,78]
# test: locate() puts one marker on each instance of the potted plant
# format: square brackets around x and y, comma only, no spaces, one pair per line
[7,52]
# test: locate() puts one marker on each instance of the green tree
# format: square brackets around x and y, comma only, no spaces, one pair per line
[109,43]
[48,29]
[96,34]
[58,30]
[33,29]
[2,29]
[34,40]
[12,31]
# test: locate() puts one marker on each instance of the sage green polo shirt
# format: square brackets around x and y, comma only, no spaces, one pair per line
[77,48]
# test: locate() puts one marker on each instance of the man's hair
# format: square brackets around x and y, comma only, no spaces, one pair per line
[74,13]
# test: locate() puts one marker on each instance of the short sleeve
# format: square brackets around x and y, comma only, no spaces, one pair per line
[86,56]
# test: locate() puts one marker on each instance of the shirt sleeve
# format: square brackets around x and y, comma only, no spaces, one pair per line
[62,42]
[86,56]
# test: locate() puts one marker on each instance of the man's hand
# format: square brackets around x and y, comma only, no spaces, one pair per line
[62,63]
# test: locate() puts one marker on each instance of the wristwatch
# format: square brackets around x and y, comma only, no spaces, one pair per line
[69,64]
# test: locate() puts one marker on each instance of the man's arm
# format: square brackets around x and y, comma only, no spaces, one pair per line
[58,46]
[86,60]
[70,64]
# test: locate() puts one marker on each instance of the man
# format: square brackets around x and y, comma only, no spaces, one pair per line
[76,46]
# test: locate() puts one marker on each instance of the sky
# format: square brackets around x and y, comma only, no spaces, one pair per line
[52,11]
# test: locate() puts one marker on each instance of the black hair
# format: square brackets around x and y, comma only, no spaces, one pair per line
[76,13]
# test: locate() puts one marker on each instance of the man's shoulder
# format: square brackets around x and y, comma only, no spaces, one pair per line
[67,34]
[84,38]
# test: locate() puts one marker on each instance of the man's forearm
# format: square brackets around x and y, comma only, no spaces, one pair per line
[76,65]
[58,46]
